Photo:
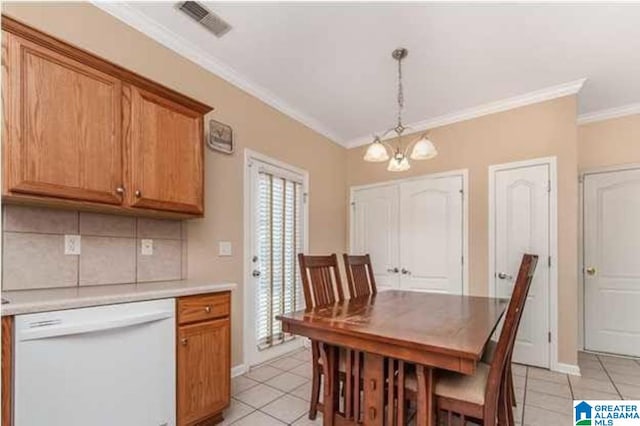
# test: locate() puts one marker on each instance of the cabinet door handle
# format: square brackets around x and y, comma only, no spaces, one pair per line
[120,190]
[184,341]
[138,193]
[207,309]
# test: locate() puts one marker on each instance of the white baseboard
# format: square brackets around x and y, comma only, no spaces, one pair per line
[560,367]
[238,370]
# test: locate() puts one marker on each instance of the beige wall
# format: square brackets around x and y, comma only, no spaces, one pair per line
[539,130]
[255,125]
[609,142]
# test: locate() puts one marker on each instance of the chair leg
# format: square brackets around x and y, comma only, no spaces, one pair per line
[505,407]
[512,393]
[315,394]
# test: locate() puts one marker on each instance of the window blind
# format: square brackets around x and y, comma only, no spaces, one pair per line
[279,241]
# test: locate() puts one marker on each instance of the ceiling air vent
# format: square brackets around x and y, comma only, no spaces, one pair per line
[205,17]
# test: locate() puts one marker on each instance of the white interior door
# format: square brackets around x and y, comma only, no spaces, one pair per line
[375,231]
[431,234]
[611,260]
[521,215]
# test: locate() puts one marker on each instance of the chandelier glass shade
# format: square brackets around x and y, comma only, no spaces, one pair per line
[379,150]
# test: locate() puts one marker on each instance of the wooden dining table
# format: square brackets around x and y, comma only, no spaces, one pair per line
[381,334]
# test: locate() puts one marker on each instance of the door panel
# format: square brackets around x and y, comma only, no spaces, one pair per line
[375,231]
[431,227]
[612,244]
[63,125]
[167,154]
[203,369]
[521,224]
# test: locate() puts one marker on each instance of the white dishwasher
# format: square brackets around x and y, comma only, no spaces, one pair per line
[102,366]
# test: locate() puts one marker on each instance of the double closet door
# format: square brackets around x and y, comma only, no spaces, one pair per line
[414,232]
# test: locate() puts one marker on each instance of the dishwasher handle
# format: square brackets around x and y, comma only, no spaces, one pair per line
[51,331]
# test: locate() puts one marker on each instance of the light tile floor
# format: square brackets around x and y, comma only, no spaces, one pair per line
[278,393]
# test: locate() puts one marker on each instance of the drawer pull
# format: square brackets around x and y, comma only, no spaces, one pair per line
[207,309]
[372,413]
[184,341]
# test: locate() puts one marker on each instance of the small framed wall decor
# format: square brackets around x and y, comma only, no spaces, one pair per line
[220,137]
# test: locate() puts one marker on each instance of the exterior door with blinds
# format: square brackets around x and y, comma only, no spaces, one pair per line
[278,223]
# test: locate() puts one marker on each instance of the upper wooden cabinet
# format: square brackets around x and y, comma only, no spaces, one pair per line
[81,132]
[166,154]
[63,125]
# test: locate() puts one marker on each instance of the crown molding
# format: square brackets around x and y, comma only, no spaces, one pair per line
[537,96]
[178,44]
[607,114]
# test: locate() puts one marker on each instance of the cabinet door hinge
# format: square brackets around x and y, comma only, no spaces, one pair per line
[549,261]
[304,197]
[549,337]
[549,186]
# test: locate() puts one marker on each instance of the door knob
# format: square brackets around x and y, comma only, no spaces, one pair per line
[183,341]
[207,309]
[393,270]
[504,276]
[405,271]
[591,271]
[120,190]
[138,193]
[255,273]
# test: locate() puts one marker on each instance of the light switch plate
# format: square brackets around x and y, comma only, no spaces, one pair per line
[146,247]
[72,244]
[224,248]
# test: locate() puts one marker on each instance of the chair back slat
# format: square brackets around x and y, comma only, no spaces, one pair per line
[321,281]
[506,341]
[360,275]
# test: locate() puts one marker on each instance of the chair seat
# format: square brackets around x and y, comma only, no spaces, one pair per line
[467,388]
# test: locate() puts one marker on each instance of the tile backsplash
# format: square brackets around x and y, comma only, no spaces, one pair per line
[33,249]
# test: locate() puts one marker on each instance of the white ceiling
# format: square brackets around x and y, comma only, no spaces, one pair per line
[329,65]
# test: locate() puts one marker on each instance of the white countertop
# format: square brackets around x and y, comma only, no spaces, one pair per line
[30,301]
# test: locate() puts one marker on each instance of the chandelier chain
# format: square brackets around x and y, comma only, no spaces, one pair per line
[400,93]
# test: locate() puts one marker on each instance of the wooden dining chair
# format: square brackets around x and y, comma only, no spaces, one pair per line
[321,285]
[359,275]
[483,397]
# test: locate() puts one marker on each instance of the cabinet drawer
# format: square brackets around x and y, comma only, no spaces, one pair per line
[203,307]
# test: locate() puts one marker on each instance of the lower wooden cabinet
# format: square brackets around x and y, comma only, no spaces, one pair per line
[203,365]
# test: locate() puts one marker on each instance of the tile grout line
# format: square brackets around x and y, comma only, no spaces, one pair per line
[284,393]
[609,376]
[242,417]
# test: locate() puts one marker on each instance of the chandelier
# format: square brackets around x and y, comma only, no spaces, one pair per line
[379,150]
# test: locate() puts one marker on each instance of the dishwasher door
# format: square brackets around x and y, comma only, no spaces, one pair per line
[102,366]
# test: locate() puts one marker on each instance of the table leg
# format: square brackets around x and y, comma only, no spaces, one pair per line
[329,356]
[426,415]
[373,390]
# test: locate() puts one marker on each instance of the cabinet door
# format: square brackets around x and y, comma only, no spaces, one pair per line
[166,154]
[61,125]
[204,370]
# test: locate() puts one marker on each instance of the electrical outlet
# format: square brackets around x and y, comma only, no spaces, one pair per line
[224,248]
[146,247]
[72,244]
